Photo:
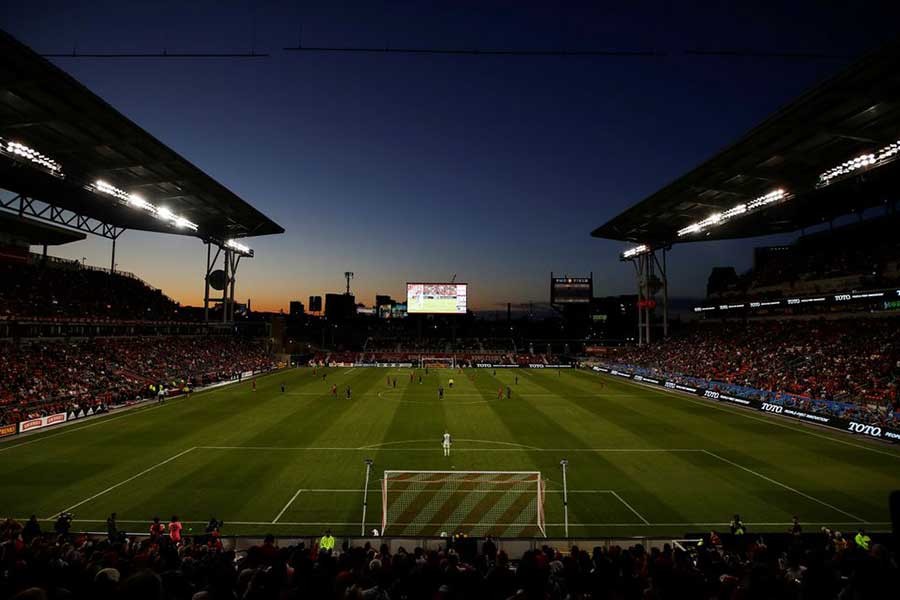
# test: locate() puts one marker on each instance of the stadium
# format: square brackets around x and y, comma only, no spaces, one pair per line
[617,446]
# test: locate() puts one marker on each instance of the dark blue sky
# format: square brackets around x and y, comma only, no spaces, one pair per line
[418,167]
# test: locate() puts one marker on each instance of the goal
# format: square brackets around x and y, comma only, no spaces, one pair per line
[437,362]
[431,503]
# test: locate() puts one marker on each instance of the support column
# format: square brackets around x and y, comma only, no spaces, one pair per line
[206,285]
[665,278]
[225,289]
[112,260]
[640,323]
[648,292]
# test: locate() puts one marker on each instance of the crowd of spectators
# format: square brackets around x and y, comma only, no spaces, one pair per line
[414,345]
[42,377]
[462,358]
[39,566]
[862,255]
[54,288]
[847,367]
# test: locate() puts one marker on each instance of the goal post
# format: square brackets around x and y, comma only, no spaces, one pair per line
[431,503]
[437,362]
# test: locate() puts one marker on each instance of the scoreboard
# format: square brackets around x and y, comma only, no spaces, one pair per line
[571,290]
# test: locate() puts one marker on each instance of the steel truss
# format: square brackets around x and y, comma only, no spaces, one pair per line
[25,206]
[44,211]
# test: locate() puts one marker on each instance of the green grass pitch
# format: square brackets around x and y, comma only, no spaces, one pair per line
[641,461]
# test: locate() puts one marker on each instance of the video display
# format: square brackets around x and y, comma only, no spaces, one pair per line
[437,298]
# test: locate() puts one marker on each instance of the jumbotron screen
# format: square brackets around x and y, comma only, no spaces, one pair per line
[437,298]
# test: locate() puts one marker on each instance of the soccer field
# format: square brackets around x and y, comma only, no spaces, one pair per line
[640,461]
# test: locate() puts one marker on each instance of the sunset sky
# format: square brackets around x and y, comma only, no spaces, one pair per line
[404,168]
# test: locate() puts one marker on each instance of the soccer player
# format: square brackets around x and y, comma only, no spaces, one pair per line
[282,388]
[508,393]
[440,392]
[395,383]
[175,528]
[450,383]
[334,390]
[500,393]
[517,380]
[445,444]
[253,384]
[349,393]
[156,529]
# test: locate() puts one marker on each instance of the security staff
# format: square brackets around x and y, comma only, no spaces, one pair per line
[326,542]
[862,540]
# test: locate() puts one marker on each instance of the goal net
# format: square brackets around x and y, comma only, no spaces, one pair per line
[437,362]
[431,503]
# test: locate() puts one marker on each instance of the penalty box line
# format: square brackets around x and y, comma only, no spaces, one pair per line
[784,485]
[123,482]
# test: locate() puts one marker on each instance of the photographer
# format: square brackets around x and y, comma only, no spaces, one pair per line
[63,524]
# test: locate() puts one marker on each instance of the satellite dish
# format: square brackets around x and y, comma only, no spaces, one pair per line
[216,279]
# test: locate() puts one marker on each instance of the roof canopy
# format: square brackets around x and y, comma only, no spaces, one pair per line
[36,233]
[853,114]
[47,110]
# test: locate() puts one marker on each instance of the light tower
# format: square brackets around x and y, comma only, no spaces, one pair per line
[348,275]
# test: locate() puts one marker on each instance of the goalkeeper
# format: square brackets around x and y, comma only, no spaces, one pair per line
[446,443]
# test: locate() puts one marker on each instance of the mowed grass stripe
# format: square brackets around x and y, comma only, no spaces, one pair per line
[790,455]
[547,411]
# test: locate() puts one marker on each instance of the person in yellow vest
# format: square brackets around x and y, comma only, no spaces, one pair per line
[326,542]
[862,540]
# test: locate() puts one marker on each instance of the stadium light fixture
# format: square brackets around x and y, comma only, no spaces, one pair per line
[33,156]
[633,252]
[863,161]
[735,211]
[239,247]
[137,201]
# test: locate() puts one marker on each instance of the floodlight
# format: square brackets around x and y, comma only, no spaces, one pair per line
[740,209]
[33,156]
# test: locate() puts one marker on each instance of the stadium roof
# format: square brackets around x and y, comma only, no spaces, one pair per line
[37,233]
[854,113]
[88,140]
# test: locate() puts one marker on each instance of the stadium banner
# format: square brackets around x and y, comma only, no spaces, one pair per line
[865,429]
[8,430]
[527,366]
[41,422]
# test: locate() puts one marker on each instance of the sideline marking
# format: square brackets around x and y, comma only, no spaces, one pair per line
[355,524]
[785,486]
[289,502]
[123,482]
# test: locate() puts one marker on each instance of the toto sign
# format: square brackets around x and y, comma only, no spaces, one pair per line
[871,430]
[711,394]
[772,408]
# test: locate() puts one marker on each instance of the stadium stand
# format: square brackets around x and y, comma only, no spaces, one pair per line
[858,256]
[823,565]
[842,367]
[43,377]
[47,287]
